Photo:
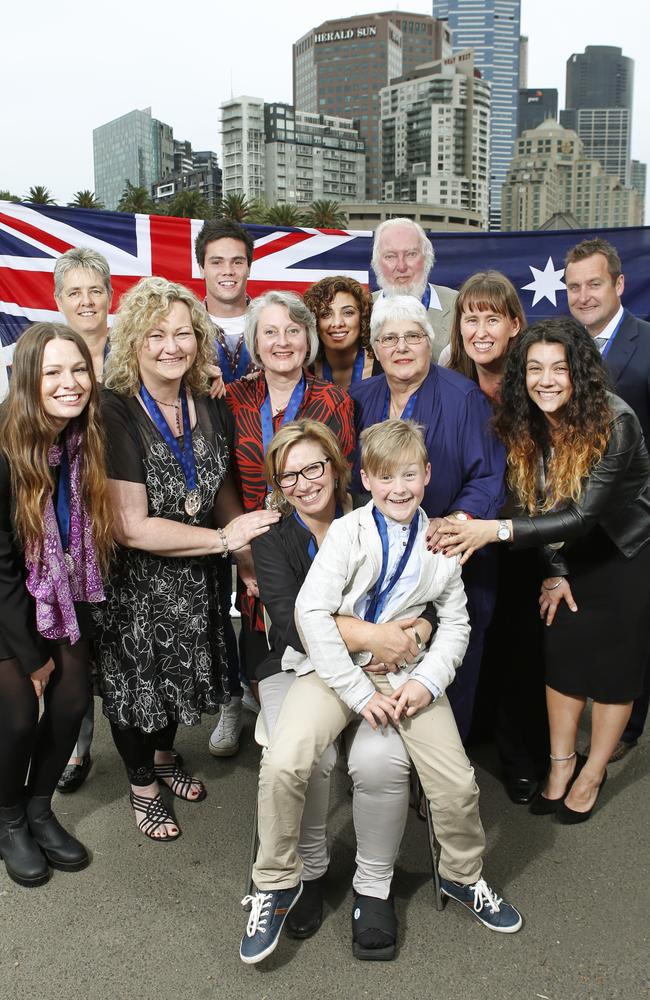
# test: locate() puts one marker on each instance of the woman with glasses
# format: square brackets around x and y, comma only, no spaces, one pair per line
[468,462]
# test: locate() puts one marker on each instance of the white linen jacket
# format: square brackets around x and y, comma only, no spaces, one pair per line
[345,568]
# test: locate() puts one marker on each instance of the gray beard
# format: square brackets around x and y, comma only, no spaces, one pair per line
[416,289]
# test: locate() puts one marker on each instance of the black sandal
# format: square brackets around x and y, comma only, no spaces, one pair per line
[155,816]
[180,782]
[374,929]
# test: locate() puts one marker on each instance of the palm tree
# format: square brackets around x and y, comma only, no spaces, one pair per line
[135,199]
[325,215]
[235,207]
[85,199]
[8,196]
[282,214]
[39,195]
[257,211]
[189,205]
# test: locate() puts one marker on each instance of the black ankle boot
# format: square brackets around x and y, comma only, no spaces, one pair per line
[23,860]
[61,849]
[307,915]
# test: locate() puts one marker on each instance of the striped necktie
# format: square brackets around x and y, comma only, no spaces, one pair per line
[600,342]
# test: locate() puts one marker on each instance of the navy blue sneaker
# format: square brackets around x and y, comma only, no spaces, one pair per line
[268,911]
[484,903]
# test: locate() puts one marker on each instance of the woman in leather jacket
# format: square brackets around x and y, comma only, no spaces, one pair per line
[580,470]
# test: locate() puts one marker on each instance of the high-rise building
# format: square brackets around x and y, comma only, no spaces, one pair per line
[193,171]
[523,62]
[491,29]
[340,67]
[551,173]
[638,180]
[435,124]
[535,106]
[133,148]
[599,89]
[300,157]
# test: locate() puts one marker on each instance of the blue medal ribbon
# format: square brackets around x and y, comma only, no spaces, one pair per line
[426,298]
[184,457]
[230,373]
[357,371]
[312,548]
[63,499]
[407,412]
[379,595]
[607,347]
[266,416]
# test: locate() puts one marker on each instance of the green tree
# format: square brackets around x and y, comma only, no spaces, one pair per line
[189,205]
[235,207]
[257,211]
[85,199]
[281,214]
[135,199]
[8,196]
[325,215]
[39,195]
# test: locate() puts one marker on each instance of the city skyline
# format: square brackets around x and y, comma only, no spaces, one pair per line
[186,91]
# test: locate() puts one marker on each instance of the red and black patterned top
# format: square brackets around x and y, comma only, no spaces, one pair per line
[322,401]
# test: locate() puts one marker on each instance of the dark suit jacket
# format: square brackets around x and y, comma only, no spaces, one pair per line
[628,363]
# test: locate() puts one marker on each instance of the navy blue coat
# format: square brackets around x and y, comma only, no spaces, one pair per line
[628,363]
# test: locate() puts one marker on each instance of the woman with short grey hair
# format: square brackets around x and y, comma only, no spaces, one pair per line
[398,309]
[281,338]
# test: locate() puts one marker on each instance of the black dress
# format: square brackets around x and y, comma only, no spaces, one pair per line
[160,646]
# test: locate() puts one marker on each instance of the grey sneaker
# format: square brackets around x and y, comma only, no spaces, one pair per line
[224,741]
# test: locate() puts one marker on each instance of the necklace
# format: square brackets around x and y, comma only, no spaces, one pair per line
[177,411]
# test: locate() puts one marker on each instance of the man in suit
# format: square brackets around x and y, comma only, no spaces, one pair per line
[595,284]
[402,259]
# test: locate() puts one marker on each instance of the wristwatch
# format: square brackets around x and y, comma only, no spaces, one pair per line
[503,531]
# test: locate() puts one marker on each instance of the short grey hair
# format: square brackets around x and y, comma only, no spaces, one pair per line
[398,308]
[425,243]
[298,313]
[87,260]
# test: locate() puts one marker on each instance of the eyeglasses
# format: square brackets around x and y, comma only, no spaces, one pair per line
[289,479]
[391,340]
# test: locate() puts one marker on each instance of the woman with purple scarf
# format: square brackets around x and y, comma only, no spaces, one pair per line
[55,541]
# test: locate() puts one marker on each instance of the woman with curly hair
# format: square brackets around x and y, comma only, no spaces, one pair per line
[55,542]
[579,468]
[160,643]
[341,307]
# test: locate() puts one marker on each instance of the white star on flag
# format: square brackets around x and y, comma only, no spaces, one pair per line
[545,283]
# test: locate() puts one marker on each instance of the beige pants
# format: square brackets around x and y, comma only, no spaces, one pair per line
[311,717]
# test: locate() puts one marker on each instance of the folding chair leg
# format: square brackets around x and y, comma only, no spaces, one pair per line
[434,849]
[248,891]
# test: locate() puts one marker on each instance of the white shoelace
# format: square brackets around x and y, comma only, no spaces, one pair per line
[229,725]
[484,896]
[260,904]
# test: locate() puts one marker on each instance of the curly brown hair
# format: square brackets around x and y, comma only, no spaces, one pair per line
[27,433]
[320,296]
[579,443]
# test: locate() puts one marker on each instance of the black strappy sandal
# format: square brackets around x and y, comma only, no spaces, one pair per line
[180,782]
[374,929]
[155,816]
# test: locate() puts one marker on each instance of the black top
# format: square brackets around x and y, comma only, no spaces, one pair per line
[18,635]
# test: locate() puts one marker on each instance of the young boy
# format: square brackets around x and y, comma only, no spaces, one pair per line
[374,564]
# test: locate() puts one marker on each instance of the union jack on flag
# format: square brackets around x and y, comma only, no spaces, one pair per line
[136,246]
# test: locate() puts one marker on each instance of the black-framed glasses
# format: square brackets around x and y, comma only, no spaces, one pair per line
[289,479]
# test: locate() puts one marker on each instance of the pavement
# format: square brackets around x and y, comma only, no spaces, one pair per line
[162,921]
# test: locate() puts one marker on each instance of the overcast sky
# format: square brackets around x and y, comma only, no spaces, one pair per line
[68,67]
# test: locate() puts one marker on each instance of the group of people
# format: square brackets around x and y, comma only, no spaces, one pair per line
[357,459]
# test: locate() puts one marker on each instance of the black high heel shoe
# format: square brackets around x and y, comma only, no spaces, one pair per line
[541,806]
[565,814]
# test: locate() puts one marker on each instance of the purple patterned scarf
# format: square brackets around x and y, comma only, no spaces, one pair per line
[56,579]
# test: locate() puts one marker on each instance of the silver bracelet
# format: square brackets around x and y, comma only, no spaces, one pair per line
[224,541]
[555,585]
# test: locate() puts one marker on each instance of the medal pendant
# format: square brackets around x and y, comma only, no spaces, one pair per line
[193,503]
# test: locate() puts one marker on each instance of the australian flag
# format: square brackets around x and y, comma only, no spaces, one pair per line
[136,246]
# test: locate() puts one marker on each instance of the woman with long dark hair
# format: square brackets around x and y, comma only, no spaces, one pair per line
[55,541]
[579,468]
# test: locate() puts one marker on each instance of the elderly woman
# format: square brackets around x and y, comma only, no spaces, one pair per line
[467,460]
[342,310]
[579,468]
[54,541]
[281,339]
[160,642]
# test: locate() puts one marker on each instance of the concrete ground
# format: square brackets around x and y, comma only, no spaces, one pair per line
[157,922]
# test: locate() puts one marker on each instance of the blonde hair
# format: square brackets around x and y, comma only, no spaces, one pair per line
[392,443]
[140,309]
[295,432]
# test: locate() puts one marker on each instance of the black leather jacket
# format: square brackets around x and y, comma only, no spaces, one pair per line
[615,496]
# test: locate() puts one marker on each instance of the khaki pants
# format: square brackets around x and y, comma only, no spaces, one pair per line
[311,717]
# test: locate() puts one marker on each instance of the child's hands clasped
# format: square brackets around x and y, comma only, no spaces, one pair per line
[410,699]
